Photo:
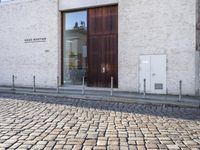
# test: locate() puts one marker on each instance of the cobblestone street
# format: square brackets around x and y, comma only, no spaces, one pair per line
[38,122]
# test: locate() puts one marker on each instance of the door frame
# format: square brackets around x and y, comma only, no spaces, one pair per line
[62,39]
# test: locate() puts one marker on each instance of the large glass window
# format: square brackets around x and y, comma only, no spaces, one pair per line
[75,47]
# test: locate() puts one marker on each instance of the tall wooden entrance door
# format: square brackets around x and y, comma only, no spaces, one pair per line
[102,46]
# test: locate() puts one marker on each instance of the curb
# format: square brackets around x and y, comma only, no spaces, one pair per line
[143,101]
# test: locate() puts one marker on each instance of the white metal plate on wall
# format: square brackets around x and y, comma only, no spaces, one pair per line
[153,69]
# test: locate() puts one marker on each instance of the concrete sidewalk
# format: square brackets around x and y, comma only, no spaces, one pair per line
[105,95]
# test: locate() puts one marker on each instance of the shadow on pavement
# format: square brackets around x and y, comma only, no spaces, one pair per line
[155,110]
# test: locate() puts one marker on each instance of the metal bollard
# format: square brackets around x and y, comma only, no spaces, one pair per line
[111,87]
[144,88]
[13,83]
[58,90]
[166,94]
[180,90]
[34,87]
[83,85]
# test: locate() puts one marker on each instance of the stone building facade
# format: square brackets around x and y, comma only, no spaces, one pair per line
[157,41]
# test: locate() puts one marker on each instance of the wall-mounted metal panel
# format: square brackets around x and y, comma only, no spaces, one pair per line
[153,70]
[79,4]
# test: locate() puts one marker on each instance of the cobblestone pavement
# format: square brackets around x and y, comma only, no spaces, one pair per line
[38,122]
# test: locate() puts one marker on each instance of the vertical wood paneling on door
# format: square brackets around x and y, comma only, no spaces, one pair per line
[102,46]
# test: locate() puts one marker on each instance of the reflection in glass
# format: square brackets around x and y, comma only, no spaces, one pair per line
[75,47]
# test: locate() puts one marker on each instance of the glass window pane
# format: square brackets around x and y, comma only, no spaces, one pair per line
[75,47]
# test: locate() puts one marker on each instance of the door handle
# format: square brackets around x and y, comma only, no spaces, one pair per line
[103,70]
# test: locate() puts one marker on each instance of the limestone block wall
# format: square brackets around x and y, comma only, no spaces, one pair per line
[145,27]
[23,20]
[198,85]
[79,4]
[198,73]
[158,27]
[198,47]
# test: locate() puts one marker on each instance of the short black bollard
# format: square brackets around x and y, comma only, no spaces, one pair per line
[83,85]
[34,86]
[58,90]
[111,86]
[180,90]
[166,96]
[144,88]
[13,83]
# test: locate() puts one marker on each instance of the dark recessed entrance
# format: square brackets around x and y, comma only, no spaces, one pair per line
[90,48]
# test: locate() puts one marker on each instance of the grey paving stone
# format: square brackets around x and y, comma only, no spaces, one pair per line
[173,147]
[87,147]
[37,122]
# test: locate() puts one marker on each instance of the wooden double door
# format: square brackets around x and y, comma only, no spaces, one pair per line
[102,46]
